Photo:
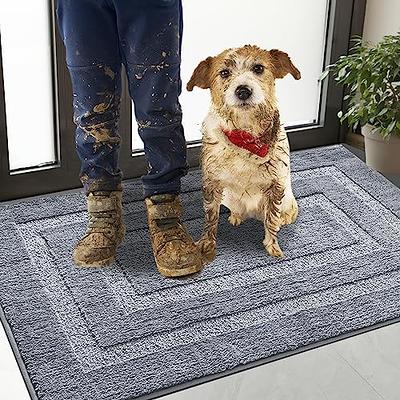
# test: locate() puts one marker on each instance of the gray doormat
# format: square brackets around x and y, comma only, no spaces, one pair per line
[124,331]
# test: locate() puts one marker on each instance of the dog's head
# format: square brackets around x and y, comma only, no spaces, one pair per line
[243,79]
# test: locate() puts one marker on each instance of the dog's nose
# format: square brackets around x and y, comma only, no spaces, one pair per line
[243,92]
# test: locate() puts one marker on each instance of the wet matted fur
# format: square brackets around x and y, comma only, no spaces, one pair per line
[250,185]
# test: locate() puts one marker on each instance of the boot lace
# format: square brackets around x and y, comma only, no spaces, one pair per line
[171,229]
[101,222]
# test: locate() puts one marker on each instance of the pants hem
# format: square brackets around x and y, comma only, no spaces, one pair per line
[161,189]
[102,185]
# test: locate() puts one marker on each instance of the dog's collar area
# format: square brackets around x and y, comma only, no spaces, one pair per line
[247,141]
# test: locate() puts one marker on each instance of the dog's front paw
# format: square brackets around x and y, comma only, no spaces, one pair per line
[208,250]
[273,249]
[235,219]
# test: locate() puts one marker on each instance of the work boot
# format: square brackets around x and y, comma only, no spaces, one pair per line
[105,232]
[174,250]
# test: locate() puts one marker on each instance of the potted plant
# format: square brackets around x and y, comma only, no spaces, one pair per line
[372,76]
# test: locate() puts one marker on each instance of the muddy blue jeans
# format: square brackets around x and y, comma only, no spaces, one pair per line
[145,36]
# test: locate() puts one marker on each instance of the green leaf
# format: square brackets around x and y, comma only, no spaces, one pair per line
[324,75]
[391,126]
[342,72]
[384,111]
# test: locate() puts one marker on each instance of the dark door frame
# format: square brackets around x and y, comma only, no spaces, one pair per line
[345,19]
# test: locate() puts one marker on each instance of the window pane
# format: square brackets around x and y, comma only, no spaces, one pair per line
[26,53]
[296,27]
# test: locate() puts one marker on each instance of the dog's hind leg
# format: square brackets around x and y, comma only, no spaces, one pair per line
[235,219]
[212,193]
[235,206]
[289,208]
[289,212]
[273,196]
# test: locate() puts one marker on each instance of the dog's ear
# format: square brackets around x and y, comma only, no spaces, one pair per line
[283,65]
[201,75]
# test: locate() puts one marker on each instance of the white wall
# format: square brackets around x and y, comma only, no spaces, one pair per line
[382,18]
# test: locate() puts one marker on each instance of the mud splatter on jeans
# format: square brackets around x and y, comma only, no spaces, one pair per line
[145,36]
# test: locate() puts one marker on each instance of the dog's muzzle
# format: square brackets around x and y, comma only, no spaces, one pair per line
[243,92]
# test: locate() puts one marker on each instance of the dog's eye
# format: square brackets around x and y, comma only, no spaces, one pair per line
[258,69]
[224,73]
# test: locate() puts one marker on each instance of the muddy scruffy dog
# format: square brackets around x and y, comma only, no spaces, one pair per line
[245,153]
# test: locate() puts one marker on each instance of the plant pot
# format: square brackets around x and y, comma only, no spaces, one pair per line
[381,154]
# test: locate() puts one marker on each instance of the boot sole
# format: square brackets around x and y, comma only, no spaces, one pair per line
[175,273]
[100,263]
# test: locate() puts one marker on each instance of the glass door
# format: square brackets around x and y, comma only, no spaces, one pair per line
[298,28]
[28,84]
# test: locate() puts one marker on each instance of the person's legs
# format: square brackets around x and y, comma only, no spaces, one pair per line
[150,35]
[89,32]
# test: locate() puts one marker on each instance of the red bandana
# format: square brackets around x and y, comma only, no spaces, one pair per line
[247,141]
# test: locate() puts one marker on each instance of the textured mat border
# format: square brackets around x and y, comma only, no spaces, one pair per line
[198,381]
